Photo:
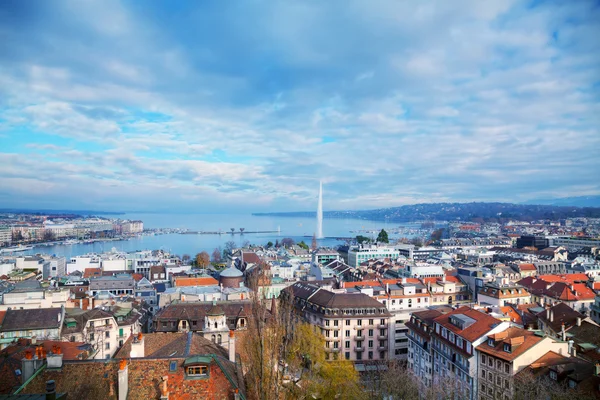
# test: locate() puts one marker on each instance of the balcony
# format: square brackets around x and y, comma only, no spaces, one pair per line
[333,349]
[359,337]
[382,348]
[383,337]
[359,348]
[382,326]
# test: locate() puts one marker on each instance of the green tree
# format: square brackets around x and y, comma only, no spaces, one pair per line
[360,239]
[303,245]
[383,237]
[269,244]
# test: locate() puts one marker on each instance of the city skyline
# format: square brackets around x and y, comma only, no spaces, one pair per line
[118,106]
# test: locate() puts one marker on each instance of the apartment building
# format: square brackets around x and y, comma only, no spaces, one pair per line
[420,356]
[449,290]
[118,285]
[456,336]
[355,325]
[506,353]
[502,293]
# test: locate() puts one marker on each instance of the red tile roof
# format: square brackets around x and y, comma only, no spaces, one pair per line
[483,323]
[519,339]
[527,267]
[92,272]
[571,278]
[512,314]
[188,281]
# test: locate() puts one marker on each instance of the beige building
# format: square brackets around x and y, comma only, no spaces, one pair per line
[505,354]
[503,293]
[355,325]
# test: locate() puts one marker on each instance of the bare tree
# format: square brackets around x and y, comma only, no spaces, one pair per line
[216,255]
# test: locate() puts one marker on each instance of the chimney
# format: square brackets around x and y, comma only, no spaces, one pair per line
[55,359]
[137,346]
[29,365]
[164,394]
[50,390]
[563,332]
[231,346]
[572,349]
[551,316]
[123,380]
[597,370]
[578,321]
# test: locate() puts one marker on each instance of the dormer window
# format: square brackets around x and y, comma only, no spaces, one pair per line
[197,370]
[491,342]
[507,347]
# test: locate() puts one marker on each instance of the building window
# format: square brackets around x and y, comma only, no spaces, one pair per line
[326,322]
[107,334]
[347,333]
[335,333]
[347,344]
[347,355]
[483,373]
[173,366]
[370,322]
[553,375]
[370,343]
[359,322]
[219,338]
[506,368]
[108,346]
[483,358]
[370,332]
[199,370]
[347,322]
[370,354]
[359,355]
[335,323]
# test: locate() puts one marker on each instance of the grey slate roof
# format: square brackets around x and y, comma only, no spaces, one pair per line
[37,318]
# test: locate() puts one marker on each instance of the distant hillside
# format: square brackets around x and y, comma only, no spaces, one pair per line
[579,201]
[457,211]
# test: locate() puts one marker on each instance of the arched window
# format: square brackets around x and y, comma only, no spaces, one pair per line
[215,325]
[213,338]
[219,339]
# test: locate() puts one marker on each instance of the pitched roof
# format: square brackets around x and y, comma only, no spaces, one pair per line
[190,281]
[173,344]
[93,380]
[483,323]
[92,272]
[519,340]
[11,356]
[527,267]
[512,314]
[571,278]
[561,314]
[196,311]
[36,318]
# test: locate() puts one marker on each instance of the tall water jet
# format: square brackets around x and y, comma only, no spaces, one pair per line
[320,212]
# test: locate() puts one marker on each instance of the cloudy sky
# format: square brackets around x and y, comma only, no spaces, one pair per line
[245,105]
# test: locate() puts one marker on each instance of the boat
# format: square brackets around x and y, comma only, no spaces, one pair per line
[16,249]
[71,241]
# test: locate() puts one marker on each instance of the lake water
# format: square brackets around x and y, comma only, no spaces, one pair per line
[297,228]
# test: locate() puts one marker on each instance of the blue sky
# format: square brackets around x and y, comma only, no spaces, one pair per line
[244,106]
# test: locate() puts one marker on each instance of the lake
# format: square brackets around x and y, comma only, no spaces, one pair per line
[297,228]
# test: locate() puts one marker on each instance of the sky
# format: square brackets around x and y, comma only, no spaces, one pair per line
[242,106]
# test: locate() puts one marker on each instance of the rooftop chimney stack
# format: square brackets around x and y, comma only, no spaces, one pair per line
[137,346]
[551,316]
[231,346]
[578,321]
[123,379]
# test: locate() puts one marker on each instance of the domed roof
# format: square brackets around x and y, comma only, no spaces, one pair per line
[231,272]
